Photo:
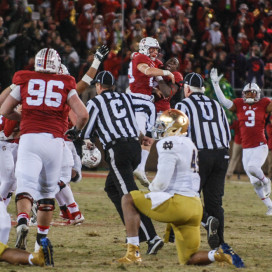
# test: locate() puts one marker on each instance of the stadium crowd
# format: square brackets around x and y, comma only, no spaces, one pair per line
[234,36]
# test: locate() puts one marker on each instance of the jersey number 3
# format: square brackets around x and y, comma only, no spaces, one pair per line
[41,92]
[250,118]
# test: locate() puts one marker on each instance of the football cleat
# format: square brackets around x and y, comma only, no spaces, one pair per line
[155,246]
[269,211]
[77,218]
[140,175]
[132,256]
[211,227]
[22,231]
[236,260]
[45,254]
[220,256]
[65,214]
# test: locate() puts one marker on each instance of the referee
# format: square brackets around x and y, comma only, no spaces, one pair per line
[209,130]
[112,119]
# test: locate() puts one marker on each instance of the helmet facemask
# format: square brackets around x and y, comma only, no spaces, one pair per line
[253,88]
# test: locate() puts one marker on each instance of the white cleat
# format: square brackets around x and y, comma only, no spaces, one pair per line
[140,175]
[269,211]
[22,231]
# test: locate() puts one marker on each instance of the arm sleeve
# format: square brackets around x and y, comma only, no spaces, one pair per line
[221,97]
[166,167]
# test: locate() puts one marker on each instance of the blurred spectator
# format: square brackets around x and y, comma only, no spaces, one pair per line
[63,11]
[236,65]
[255,66]
[98,35]
[215,36]
[244,42]
[244,22]
[137,31]
[85,21]
[71,59]
[2,27]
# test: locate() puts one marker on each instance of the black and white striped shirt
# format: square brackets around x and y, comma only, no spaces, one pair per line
[208,128]
[112,116]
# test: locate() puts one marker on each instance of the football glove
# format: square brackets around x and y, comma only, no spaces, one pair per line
[214,76]
[72,133]
[101,52]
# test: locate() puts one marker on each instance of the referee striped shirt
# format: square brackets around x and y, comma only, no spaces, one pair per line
[112,116]
[208,128]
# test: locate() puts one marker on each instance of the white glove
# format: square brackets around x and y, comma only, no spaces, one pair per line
[214,77]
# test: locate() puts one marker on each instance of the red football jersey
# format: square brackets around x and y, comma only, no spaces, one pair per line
[139,82]
[164,103]
[252,121]
[2,122]
[44,101]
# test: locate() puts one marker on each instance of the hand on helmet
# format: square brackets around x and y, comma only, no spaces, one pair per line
[214,76]
[101,52]
[72,133]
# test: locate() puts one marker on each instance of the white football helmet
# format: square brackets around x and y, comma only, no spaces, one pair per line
[91,157]
[147,43]
[63,70]
[251,87]
[170,123]
[47,60]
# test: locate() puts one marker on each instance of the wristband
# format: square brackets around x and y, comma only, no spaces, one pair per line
[166,72]
[87,79]
[12,86]
[96,63]
[159,78]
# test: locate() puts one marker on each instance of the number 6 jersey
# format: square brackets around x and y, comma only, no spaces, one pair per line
[44,101]
[251,119]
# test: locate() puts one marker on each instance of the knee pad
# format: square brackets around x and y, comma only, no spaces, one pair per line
[24,195]
[46,205]
[61,185]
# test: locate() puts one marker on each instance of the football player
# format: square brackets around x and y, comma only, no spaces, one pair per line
[44,95]
[9,139]
[173,197]
[251,112]
[164,84]
[141,77]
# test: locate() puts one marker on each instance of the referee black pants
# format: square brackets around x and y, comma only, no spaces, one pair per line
[123,158]
[213,165]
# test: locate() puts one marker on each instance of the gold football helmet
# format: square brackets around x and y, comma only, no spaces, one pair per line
[171,123]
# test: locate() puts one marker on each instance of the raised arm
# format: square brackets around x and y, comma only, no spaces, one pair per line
[221,97]
[86,80]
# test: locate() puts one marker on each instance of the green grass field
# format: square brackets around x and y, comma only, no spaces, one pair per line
[94,245]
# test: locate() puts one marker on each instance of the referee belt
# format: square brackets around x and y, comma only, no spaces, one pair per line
[121,140]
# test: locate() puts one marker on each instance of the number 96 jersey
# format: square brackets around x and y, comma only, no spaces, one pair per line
[251,119]
[44,101]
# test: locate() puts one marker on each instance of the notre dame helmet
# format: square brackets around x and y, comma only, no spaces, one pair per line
[170,123]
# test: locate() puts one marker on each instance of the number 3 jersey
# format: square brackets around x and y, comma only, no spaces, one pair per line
[44,101]
[177,171]
[251,119]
